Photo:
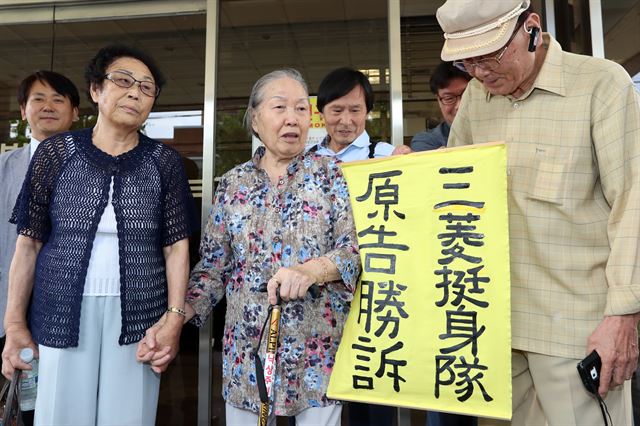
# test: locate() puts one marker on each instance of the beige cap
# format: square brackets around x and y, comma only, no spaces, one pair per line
[477,27]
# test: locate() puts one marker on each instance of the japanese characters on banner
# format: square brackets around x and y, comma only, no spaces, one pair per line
[429,325]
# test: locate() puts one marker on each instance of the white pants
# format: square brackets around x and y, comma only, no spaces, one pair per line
[314,416]
[99,382]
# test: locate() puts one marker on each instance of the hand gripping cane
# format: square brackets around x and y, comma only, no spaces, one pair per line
[266,376]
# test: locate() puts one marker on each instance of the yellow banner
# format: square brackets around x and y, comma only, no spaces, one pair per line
[317,130]
[316,119]
[429,326]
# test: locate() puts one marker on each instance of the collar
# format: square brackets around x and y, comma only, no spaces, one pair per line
[292,168]
[126,161]
[33,145]
[361,141]
[551,75]
[550,78]
[445,129]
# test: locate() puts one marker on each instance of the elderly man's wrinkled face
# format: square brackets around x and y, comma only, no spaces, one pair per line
[516,69]
[345,118]
[282,119]
[449,98]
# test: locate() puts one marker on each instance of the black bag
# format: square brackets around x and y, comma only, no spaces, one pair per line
[10,401]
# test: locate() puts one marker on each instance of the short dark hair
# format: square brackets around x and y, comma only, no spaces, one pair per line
[57,82]
[96,69]
[339,83]
[443,74]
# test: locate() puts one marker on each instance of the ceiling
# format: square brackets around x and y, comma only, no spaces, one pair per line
[176,42]
[255,36]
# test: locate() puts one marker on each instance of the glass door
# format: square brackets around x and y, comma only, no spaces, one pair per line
[63,40]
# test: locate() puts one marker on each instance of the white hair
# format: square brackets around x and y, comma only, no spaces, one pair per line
[257,92]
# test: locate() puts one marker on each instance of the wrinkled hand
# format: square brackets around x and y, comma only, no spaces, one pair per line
[293,284]
[401,150]
[161,342]
[615,339]
[18,337]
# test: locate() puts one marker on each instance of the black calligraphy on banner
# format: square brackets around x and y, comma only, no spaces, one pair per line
[461,286]
[381,309]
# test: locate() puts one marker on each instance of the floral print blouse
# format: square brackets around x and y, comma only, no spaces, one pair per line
[254,229]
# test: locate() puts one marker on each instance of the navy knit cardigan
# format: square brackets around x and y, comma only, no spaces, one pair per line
[62,199]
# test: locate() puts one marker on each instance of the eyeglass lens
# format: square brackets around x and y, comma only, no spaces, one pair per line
[125,80]
[489,63]
[449,100]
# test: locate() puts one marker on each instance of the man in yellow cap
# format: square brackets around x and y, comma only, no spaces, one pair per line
[572,128]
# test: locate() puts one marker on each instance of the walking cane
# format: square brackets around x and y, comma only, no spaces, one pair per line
[266,376]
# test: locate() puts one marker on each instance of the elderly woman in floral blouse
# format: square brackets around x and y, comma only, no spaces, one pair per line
[282,218]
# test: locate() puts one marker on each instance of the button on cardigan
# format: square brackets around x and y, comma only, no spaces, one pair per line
[62,199]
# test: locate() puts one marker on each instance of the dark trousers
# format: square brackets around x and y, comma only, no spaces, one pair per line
[435,418]
[365,415]
[635,396]
[361,414]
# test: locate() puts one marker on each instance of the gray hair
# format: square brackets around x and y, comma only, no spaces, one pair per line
[257,92]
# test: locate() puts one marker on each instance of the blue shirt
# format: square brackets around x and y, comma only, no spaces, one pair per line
[356,150]
[431,139]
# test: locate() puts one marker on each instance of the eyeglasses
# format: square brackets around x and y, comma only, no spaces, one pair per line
[121,79]
[490,63]
[449,99]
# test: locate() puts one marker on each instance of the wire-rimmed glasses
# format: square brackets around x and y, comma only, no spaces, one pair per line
[125,80]
[487,62]
[449,99]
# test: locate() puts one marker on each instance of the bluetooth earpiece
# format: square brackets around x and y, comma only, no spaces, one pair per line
[533,38]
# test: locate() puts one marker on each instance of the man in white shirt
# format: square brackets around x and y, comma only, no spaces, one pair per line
[345,98]
[49,102]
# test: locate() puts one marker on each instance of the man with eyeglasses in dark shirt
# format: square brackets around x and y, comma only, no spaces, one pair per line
[448,83]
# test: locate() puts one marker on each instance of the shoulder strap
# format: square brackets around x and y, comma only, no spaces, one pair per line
[313,148]
[12,404]
[372,148]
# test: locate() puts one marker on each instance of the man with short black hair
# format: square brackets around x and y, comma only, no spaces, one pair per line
[345,98]
[49,102]
[447,83]
[572,128]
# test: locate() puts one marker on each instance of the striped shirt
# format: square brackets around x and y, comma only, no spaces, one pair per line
[573,143]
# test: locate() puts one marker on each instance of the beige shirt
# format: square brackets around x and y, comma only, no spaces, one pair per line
[573,144]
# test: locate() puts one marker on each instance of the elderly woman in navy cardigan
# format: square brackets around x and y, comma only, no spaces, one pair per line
[103,221]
